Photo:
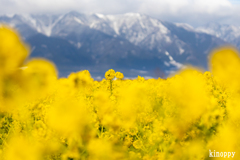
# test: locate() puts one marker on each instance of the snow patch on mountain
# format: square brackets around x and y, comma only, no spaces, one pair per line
[78,20]
[172,61]
[100,15]
[116,28]
[181,51]
[185,26]
[28,18]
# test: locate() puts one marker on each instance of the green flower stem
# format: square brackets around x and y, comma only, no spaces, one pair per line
[111,86]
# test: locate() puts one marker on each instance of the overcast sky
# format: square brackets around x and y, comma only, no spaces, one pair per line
[195,12]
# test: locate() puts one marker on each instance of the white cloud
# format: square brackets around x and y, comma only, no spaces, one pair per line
[195,12]
[190,11]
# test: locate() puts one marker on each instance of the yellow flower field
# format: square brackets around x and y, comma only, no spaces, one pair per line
[188,116]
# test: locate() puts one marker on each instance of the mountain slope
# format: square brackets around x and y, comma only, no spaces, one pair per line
[99,42]
[229,33]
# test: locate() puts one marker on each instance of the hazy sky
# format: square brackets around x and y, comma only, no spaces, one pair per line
[195,12]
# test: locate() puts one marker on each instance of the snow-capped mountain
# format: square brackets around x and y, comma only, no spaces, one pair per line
[126,41]
[229,33]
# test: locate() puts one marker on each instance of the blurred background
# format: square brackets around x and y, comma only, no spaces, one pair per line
[150,38]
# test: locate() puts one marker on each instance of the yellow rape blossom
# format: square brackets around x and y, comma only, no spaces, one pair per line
[119,75]
[110,74]
[181,117]
[13,51]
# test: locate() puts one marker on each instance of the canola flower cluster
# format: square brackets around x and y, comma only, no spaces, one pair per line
[76,118]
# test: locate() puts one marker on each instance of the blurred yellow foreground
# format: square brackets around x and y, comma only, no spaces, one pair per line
[77,118]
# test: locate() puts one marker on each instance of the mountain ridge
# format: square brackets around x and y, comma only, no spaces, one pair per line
[127,41]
